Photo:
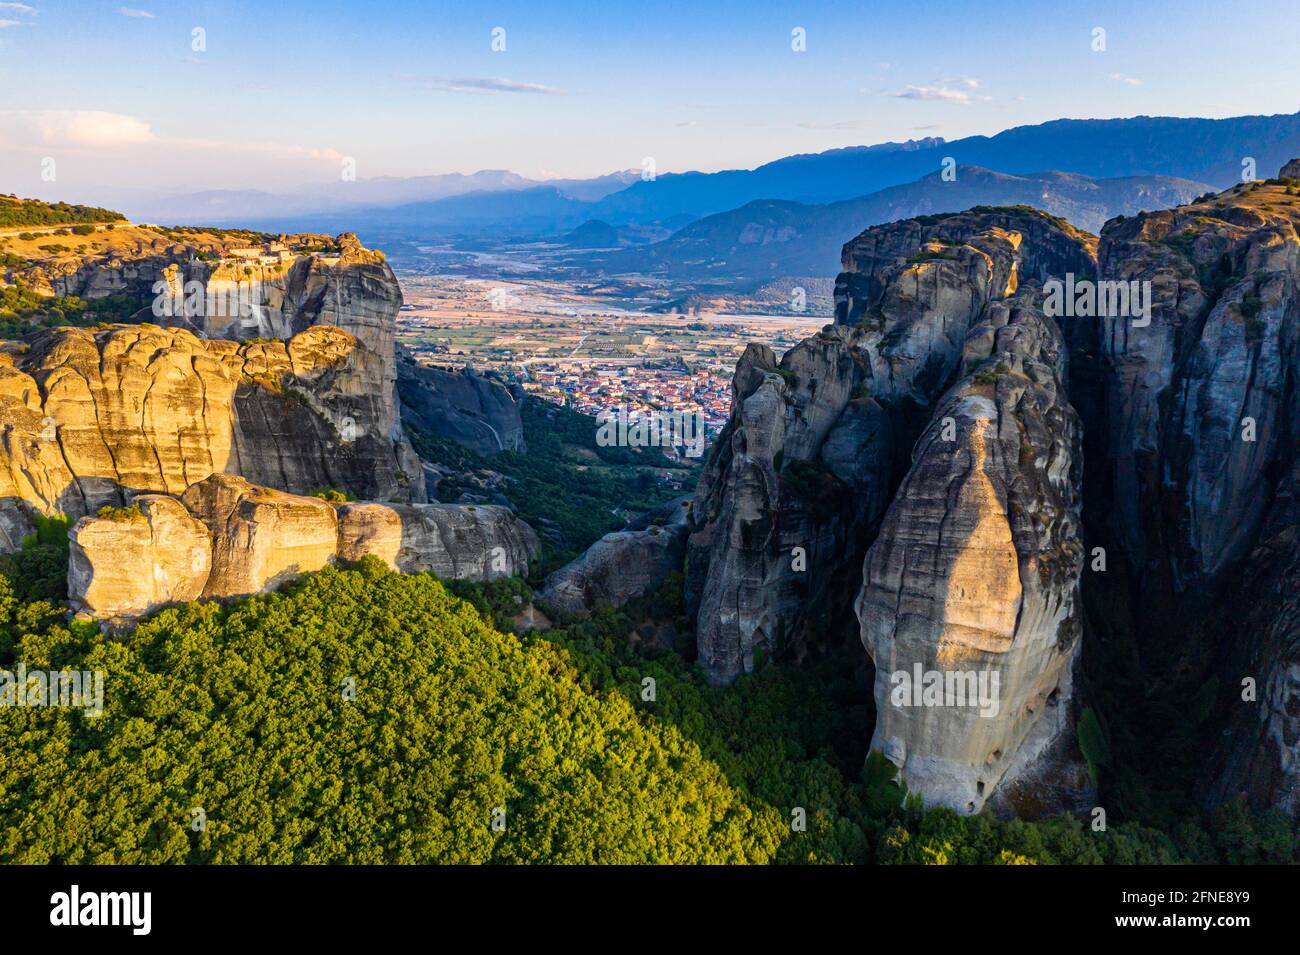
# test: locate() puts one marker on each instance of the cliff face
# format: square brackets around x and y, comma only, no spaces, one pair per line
[226,537]
[464,407]
[273,365]
[1218,350]
[1194,426]
[797,483]
[90,417]
[974,575]
[243,293]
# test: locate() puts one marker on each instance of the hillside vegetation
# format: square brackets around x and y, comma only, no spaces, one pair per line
[23,311]
[363,716]
[16,212]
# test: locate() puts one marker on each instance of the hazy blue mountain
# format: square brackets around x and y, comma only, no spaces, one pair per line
[519,212]
[500,204]
[362,199]
[767,239]
[1205,150]
[592,234]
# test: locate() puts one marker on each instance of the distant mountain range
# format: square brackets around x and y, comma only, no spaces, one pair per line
[368,198]
[498,205]
[1205,150]
[768,238]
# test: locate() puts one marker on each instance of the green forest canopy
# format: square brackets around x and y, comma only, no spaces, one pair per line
[34,212]
[239,716]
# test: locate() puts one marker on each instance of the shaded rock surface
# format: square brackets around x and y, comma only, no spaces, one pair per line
[465,407]
[226,537]
[622,566]
[1193,426]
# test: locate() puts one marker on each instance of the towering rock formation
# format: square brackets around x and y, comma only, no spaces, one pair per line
[796,485]
[772,518]
[226,537]
[1182,384]
[939,335]
[1194,424]
[268,363]
[972,583]
[89,417]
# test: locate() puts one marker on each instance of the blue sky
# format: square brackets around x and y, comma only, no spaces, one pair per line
[285,90]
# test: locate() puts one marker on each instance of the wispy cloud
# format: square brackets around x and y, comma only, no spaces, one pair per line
[75,128]
[841,125]
[8,23]
[18,8]
[1124,78]
[956,90]
[134,12]
[936,94]
[480,85]
[103,131]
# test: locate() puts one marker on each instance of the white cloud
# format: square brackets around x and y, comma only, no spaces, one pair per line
[938,93]
[810,125]
[133,12]
[74,128]
[18,8]
[8,23]
[1122,78]
[482,85]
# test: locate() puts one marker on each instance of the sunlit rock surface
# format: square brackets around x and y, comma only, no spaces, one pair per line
[226,537]
[974,575]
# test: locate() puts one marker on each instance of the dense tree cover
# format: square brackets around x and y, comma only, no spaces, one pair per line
[797,738]
[14,213]
[565,480]
[39,570]
[242,711]
[23,311]
[361,715]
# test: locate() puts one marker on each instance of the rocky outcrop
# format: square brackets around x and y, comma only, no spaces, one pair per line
[465,407]
[797,483]
[274,289]
[275,362]
[620,567]
[226,537]
[1194,424]
[138,558]
[457,541]
[1218,351]
[972,583]
[260,537]
[90,417]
